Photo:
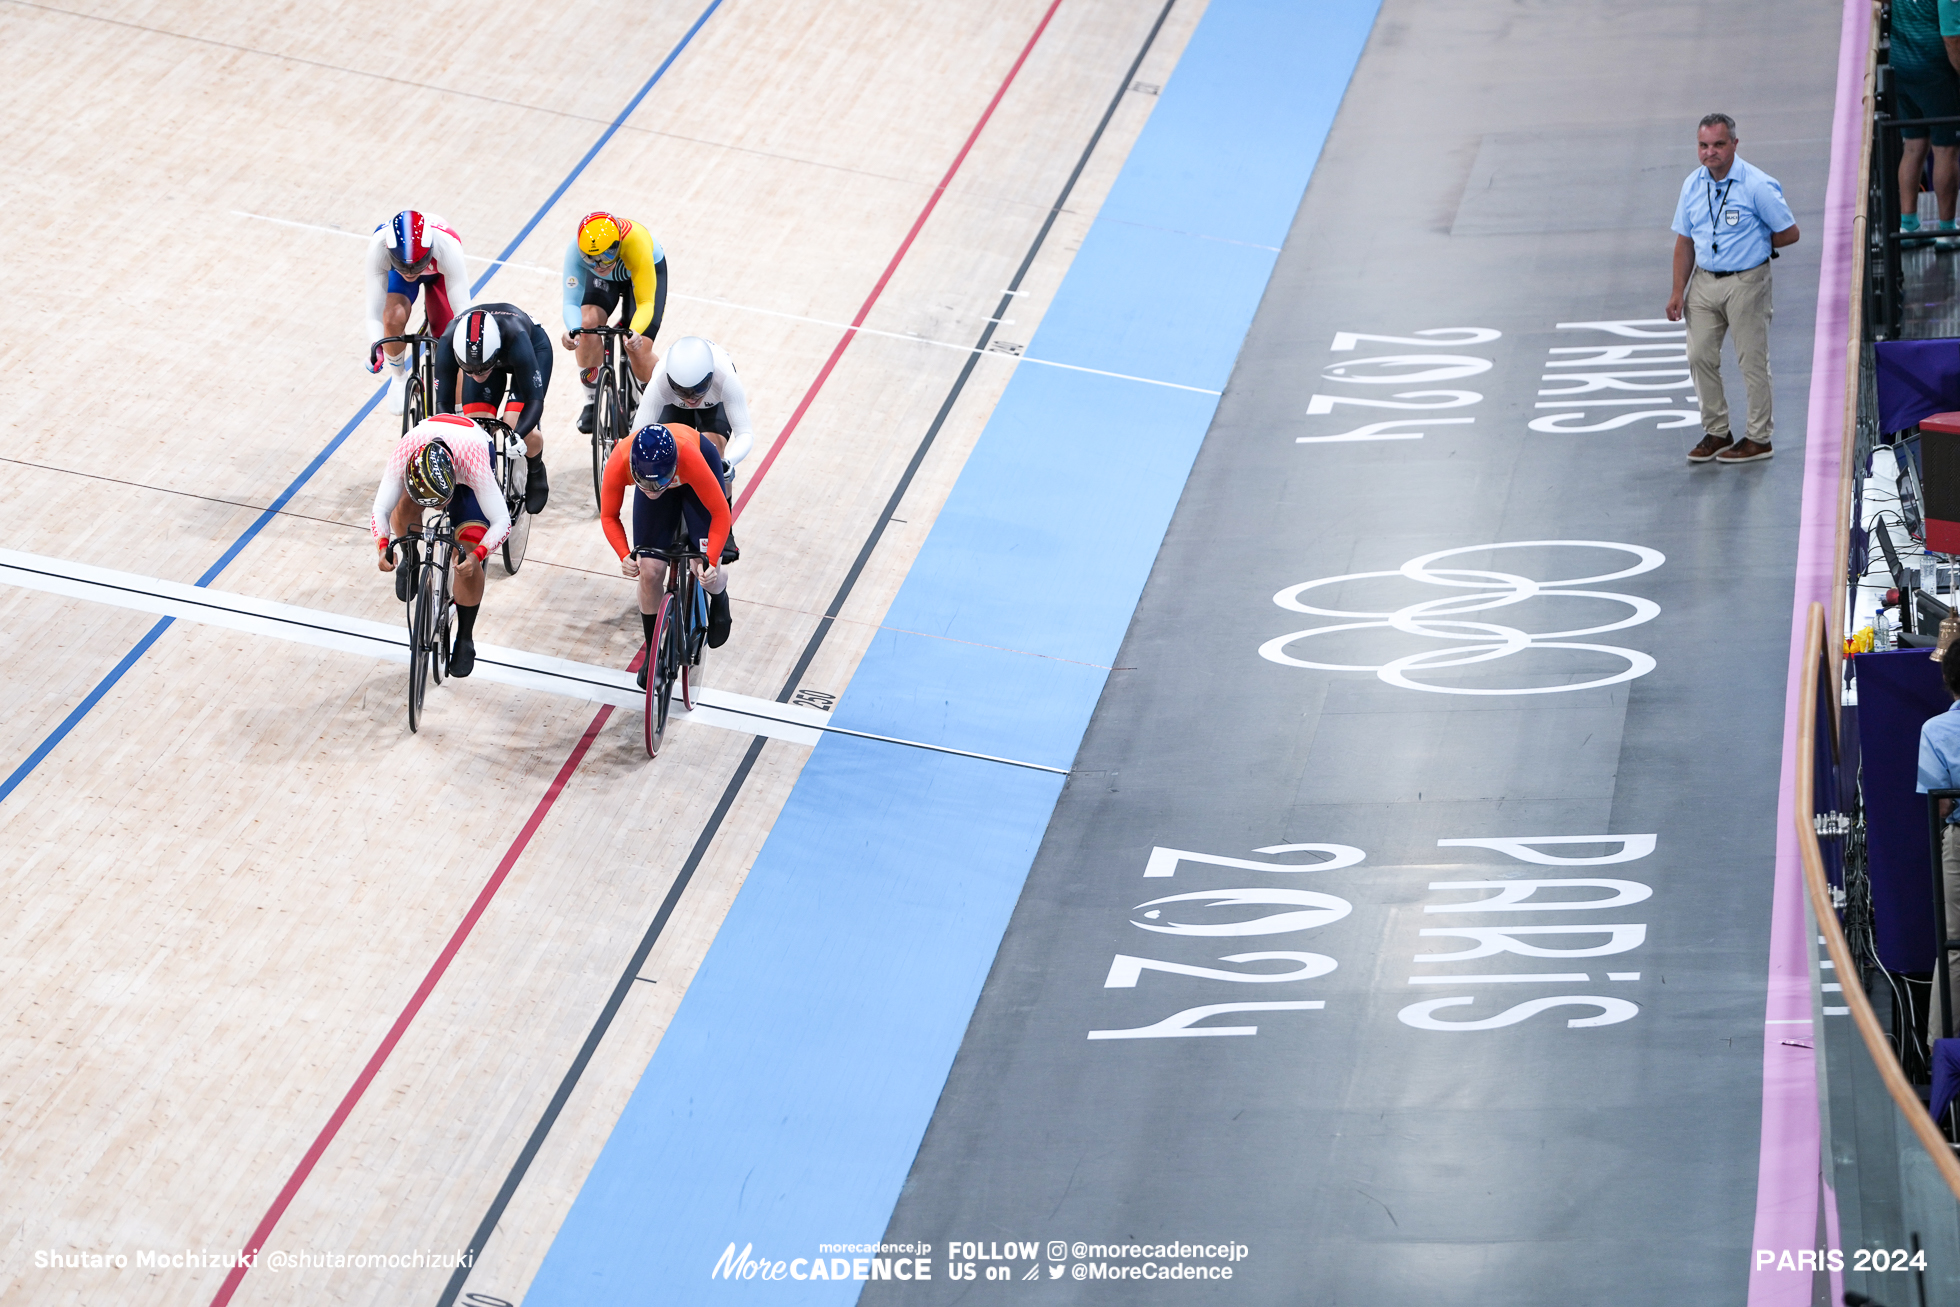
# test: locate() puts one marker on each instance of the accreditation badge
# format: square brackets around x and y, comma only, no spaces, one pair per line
[1732,216]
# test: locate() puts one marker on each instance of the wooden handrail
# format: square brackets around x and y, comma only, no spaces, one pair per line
[1812,854]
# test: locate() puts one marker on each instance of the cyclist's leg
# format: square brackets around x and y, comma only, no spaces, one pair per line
[600,296]
[395,360]
[641,350]
[537,490]
[437,309]
[470,523]
[406,517]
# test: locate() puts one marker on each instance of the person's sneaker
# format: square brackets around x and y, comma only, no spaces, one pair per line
[646,661]
[1746,452]
[397,388]
[1709,447]
[462,659]
[584,418]
[406,566]
[536,490]
[719,620]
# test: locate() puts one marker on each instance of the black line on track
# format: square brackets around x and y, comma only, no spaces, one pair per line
[733,789]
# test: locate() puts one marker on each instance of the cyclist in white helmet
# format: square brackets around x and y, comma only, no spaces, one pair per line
[695,384]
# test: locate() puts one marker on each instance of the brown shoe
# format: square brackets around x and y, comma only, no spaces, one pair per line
[1746,452]
[1709,447]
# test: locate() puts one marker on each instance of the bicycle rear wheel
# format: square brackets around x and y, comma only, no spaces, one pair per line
[420,638]
[660,682]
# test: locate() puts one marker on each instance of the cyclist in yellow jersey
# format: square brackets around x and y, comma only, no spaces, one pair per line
[613,262]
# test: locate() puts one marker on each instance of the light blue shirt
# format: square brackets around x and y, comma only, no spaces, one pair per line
[1939,756]
[1730,221]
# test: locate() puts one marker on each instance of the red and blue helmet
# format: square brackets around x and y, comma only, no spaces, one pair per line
[654,457]
[407,239]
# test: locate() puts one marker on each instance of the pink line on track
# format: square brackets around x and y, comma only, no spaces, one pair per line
[396,1031]
[1791,1161]
[932,202]
[489,891]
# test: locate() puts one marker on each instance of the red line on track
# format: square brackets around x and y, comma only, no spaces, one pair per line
[850,332]
[396,1031]
[489,891]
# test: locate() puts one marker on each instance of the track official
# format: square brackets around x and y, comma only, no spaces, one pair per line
[1729,220]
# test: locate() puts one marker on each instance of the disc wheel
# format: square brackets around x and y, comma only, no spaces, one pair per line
[515,542]
[660,683]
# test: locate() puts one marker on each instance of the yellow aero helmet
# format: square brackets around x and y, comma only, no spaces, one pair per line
[599,235]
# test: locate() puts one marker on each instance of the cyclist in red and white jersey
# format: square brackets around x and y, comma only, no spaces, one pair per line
[444,461]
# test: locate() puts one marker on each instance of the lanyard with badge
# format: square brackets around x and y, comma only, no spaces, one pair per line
[1715,204]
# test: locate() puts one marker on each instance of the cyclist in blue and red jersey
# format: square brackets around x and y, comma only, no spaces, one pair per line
[410,252]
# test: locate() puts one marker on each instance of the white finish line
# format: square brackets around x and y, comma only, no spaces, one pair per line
[734,712]
[791,723]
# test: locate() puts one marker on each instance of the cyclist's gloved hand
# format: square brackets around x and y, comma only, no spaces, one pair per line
[709,575]
[387,563]
[629,566]
[374,357]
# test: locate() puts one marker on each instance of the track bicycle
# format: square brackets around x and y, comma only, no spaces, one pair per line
[508,467]
[431,609]
[614,397]
[420,399]
[680,634]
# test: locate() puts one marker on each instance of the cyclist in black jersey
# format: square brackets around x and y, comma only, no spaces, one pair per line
[499,351]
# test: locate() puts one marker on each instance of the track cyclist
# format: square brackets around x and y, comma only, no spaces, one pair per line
[695,383]
[409,251]
[444,461]
[651,462]
[613,262]
[500,352]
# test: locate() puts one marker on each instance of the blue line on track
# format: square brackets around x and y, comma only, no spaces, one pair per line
[785,1103]
[107,683]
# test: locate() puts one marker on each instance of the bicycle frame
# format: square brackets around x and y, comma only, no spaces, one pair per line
[419,403]
[616,394]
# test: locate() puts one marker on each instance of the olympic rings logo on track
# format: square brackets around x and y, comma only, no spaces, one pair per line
[1444,618]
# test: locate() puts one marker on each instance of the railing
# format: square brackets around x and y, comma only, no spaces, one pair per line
[1820,687]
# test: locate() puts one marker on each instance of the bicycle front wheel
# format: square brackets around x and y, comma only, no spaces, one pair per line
[415,404]
[660,675]
[445,607]
[421,626]
[605,428]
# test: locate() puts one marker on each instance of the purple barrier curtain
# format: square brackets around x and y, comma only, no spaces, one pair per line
[1897,692]
[1916,379]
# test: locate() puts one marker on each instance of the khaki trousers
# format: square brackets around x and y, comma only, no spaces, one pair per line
[1950,864]
[1718,306]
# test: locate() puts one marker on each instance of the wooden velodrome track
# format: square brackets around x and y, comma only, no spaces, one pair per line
[226,881]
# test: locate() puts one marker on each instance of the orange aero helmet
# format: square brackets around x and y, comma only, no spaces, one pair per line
[598,236]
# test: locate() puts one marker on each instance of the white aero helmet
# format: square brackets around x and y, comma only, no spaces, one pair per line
[478,342]
[691,369]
